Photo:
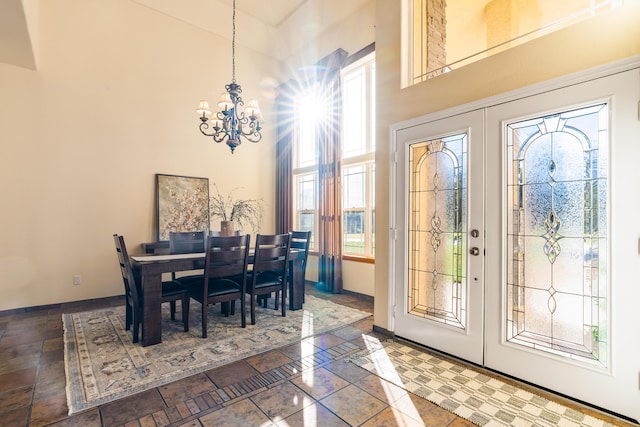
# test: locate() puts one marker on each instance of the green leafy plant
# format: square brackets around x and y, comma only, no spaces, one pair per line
[242,212]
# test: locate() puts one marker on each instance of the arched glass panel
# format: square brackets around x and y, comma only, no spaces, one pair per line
[557,233]
[437,218]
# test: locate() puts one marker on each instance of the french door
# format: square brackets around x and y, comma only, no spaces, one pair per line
[517,238]
[439,198]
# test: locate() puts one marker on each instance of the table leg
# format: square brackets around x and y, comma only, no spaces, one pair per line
[152,316]
[296,286]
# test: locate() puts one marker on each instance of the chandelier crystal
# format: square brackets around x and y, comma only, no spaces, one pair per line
[230,123]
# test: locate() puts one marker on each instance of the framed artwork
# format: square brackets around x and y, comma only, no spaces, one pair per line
[182,204]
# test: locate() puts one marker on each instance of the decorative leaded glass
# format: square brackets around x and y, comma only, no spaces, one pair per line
[557,233]
[437,218]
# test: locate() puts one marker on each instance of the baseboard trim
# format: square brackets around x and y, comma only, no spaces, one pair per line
[59,306]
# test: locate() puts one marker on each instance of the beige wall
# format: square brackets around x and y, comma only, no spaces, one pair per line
[112,103]
[600,40]
[356,276]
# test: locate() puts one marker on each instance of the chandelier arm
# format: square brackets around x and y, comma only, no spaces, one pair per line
[203,128]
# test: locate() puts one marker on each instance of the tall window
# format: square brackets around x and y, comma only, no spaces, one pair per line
[358,152]
[358,157]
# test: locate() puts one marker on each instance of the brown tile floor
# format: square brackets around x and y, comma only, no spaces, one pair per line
[270,389]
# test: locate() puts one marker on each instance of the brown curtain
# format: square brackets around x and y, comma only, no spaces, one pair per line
[330,207]
[326,74]
[284,162]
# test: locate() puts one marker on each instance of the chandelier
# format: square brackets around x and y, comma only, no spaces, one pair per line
[230,123]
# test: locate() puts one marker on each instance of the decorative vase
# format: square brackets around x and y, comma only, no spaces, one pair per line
[226,228]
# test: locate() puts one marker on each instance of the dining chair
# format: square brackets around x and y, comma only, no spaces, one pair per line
[270,263]
[225,276]
[186,242]
[171,292]
[300,240]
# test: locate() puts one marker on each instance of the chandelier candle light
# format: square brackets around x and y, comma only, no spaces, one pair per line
[230,124]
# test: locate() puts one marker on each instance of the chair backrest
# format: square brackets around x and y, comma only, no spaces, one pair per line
[130,284]
[215,233]
[227,256]
[271,254]
[301,240]
[186,242]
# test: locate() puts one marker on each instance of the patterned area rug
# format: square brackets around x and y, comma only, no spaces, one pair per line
[483,400]
[102,364]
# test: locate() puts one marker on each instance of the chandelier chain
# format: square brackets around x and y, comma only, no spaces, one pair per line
[233,45]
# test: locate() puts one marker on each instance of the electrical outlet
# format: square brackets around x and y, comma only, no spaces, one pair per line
[77,279]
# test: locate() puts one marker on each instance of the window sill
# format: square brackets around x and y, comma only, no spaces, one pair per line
[355,258]
[365,259]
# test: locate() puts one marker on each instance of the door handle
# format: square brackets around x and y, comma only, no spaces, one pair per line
[474,251]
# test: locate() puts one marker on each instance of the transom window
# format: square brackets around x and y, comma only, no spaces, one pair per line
[446,35]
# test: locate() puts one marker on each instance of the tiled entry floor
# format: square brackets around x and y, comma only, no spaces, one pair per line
[263,390]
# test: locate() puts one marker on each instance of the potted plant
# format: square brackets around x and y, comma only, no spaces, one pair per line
[235,213]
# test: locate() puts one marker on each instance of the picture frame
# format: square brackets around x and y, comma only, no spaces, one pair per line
[182,204]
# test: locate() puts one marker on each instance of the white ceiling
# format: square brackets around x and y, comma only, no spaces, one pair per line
[285,26]
[272,13]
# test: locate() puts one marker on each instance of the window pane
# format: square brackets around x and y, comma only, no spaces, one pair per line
[373,186]
[373,233]
[306,192]
[354,113]
[353,231]
[306,153]
[372,105]
[306,222]
[354,187]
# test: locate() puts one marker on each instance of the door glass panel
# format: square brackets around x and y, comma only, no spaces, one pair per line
[437,285]
[557,234]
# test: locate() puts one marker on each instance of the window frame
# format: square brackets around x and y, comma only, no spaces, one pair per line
[366,62]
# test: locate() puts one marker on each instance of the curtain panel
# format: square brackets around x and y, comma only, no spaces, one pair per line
[284,165]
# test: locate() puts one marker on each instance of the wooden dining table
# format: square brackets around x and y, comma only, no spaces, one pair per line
[148,269]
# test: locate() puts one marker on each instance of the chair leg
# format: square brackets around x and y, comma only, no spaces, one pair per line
[172,304]
[277,298]
[128,316]
[284,305]
[184,306]
[243,315]
[253,308]
[264,299]
[136,324]
[224,308]
[232,307]
[204,320]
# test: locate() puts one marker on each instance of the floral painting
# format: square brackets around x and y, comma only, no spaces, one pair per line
[182,204]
